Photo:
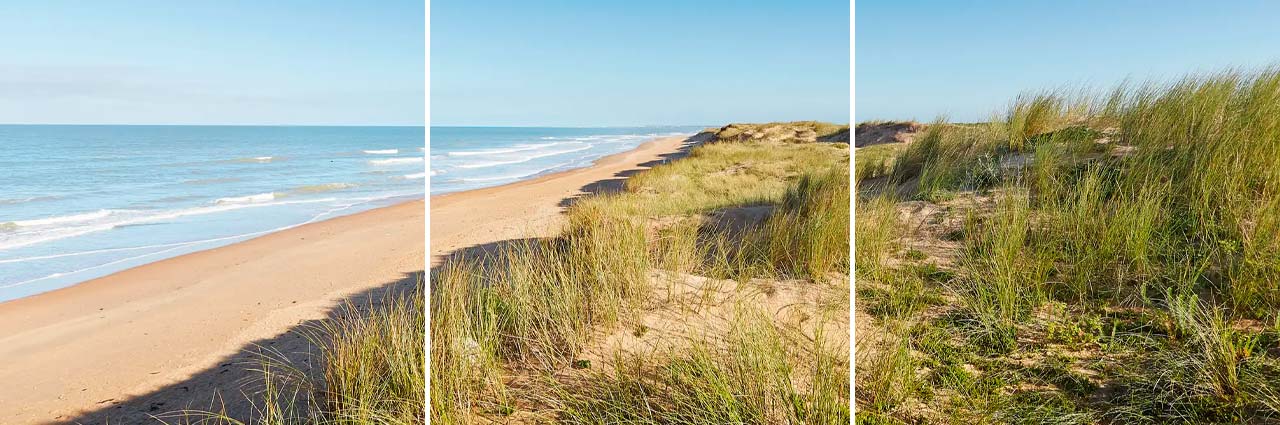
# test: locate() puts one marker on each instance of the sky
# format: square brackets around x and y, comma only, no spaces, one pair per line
[620,63]
[279,62]
[966,60]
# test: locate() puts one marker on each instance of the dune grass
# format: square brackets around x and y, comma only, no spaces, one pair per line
[750,377]
[372,371]
[1126,247]
[507,328]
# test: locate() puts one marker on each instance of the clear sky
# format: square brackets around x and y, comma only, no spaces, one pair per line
[212,62]
[609,63]
[919,59]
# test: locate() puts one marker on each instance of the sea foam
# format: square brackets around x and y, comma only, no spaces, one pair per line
[261,197]
[395,161]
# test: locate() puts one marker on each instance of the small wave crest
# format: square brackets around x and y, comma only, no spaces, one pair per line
[396,161]
[251,199]
[382,151]
[63,227]
[414,176]
[499,151]
[256,159]
[488,164]
[64,219]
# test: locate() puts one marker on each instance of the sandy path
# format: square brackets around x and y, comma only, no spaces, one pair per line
[99,345]
[532,208]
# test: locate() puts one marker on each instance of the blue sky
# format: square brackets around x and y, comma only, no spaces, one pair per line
[212,62]
[603,63]
[919,59]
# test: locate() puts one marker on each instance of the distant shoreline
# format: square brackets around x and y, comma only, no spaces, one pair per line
[532,207]
[593,163]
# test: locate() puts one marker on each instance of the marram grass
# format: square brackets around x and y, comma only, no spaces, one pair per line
[1151,213]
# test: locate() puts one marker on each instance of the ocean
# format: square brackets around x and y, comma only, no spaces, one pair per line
[80,202]
[464,158]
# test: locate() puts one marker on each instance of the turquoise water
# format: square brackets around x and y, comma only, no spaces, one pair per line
[464,158]
[80,202]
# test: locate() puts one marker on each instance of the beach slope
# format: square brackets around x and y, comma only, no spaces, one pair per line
[164,336]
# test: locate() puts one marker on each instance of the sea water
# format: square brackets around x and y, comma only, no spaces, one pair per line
[464,158]
[80,202]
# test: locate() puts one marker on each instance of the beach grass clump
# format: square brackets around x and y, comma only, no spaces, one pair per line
[760,373]
[808,233]
[875,161]
[887,377]
[375,366]
[876,233]
[372,370]
[945,159]
[533,303]
[1152,211]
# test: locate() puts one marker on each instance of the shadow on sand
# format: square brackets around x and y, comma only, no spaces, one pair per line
[232,386]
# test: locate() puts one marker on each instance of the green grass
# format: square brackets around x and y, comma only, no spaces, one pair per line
[876,161]
[750,378]
[506,327]
[372,372]
[1153,210]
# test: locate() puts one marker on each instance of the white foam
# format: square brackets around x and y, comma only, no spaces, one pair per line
[415,176]
[261,197]
[132,217]
[395,161]
[382,151]
[194,211]
[499,151]
[74,218]
[525,159]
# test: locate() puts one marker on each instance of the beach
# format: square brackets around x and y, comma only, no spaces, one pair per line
[532,208]
[164,336]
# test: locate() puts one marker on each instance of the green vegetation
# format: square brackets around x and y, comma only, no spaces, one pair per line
[519,335]
[1105,259]
[372,371]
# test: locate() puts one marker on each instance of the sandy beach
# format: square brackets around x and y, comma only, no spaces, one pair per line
[532,208]
[164,336]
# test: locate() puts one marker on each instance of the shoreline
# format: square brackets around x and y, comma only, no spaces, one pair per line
[532,208]
[647,144]
[85,347]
